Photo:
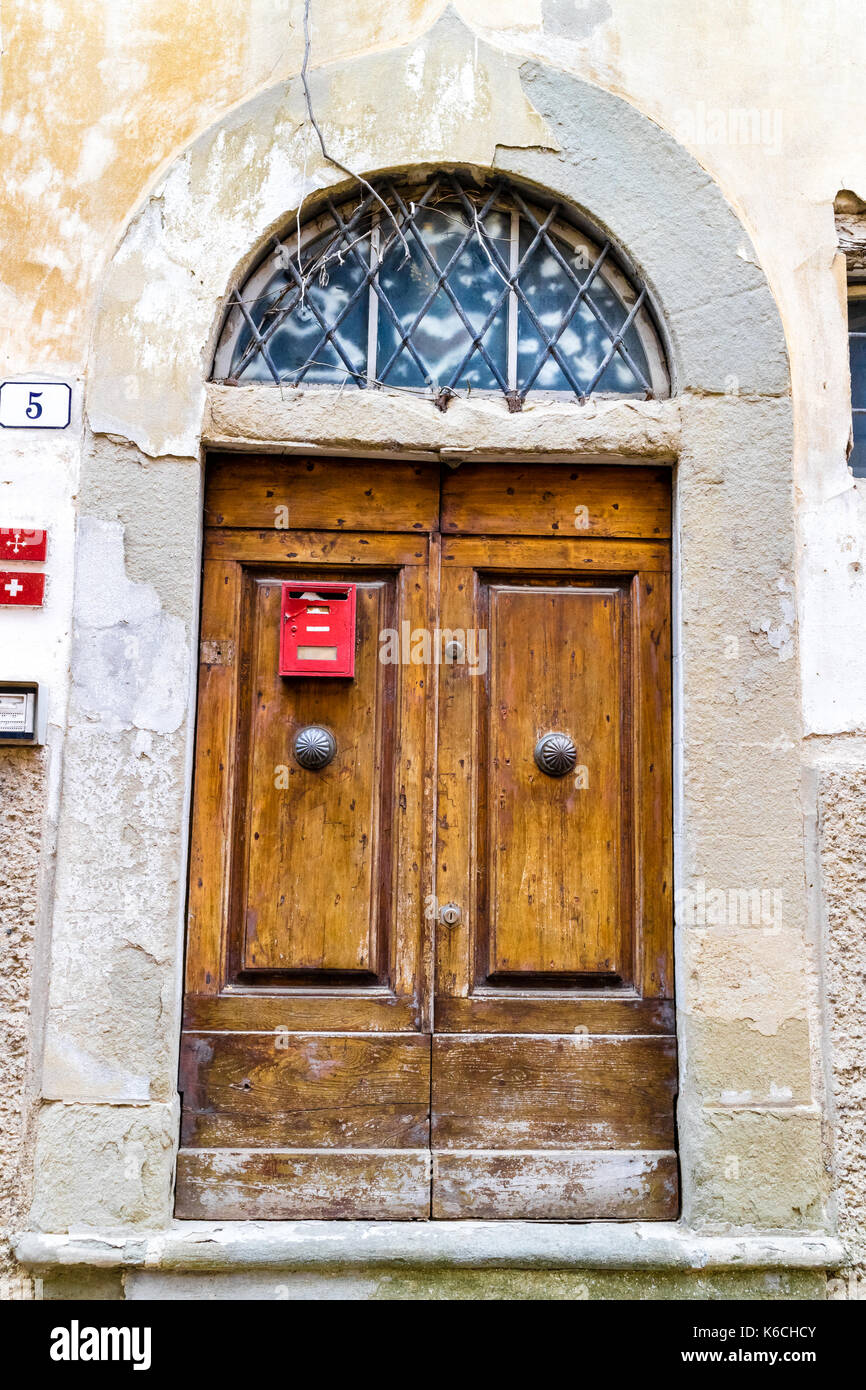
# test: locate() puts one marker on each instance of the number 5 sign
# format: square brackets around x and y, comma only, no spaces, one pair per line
[40,405]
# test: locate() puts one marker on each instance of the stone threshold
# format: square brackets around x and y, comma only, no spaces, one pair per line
[212,1246]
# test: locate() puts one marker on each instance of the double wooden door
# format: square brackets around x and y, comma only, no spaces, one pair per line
[432,977]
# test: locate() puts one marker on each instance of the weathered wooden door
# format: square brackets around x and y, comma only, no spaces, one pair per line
[432,977]
[553,1048]
[305,1057]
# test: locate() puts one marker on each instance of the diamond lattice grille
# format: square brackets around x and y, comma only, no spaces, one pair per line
[448,289]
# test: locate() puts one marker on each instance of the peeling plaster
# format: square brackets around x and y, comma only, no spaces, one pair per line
[109,1037]
[748,975]
[780,632]
[574,19]
[130,660]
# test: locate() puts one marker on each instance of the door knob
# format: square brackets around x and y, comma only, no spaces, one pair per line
[555,754]
[450,915]
[314,747]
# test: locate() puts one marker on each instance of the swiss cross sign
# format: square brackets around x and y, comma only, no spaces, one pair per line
[317,629]
[18,544]
[21,587]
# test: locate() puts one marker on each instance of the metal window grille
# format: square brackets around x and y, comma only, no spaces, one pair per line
[480,289]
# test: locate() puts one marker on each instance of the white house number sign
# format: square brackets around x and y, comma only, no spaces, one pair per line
[35,405]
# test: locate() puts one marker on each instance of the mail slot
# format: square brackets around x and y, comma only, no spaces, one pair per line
[317,632]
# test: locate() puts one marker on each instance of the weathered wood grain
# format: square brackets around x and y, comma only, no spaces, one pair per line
[321,494]
[301,1009]
[583,1092]
[528,553]
[551,1011]
[251,1090]
[293,1185]
[653,761]
[537,499]
[600,1185]
[315,551]
[215,800]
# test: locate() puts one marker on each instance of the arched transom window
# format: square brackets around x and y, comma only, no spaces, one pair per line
[446,288]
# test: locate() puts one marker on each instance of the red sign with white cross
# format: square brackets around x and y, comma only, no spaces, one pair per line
[21,587]
[19,544]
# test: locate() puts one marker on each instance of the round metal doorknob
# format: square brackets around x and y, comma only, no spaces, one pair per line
[314,747]
[555,754]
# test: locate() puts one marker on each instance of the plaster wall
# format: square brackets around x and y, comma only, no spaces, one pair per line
[839,789]
[125,233]
[22,800]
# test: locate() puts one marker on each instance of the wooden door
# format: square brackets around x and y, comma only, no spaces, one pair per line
[553,1064]
[305,1056]
[318,934]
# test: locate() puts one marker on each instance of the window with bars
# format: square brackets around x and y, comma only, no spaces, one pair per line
[449,288]
[857,357]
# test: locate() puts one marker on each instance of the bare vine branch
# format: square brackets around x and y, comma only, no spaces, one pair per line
[314,123]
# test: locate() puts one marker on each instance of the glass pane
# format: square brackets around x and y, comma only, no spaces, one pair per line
[584,342]
[857,324]
[857,457]
[330,288]
[857,315]
[441,339]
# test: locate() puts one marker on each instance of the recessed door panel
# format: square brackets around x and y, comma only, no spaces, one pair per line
[318,840]
[554,863]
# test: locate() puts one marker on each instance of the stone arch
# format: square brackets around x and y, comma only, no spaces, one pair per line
[465,103]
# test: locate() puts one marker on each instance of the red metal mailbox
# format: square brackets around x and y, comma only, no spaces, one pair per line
[317,629]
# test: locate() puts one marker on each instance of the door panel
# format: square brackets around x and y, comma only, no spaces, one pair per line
[321,494]
[566,1186]
[554,1057]
[584,1092]
[548,1011]
[554,499]
[248,784]
[305,1090]
[296,917]
[554,854]
[347,1052]
[305,1058]
[293,1185]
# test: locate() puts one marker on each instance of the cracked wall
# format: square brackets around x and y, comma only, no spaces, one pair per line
[108,1072]
[120,853]
[126,86]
